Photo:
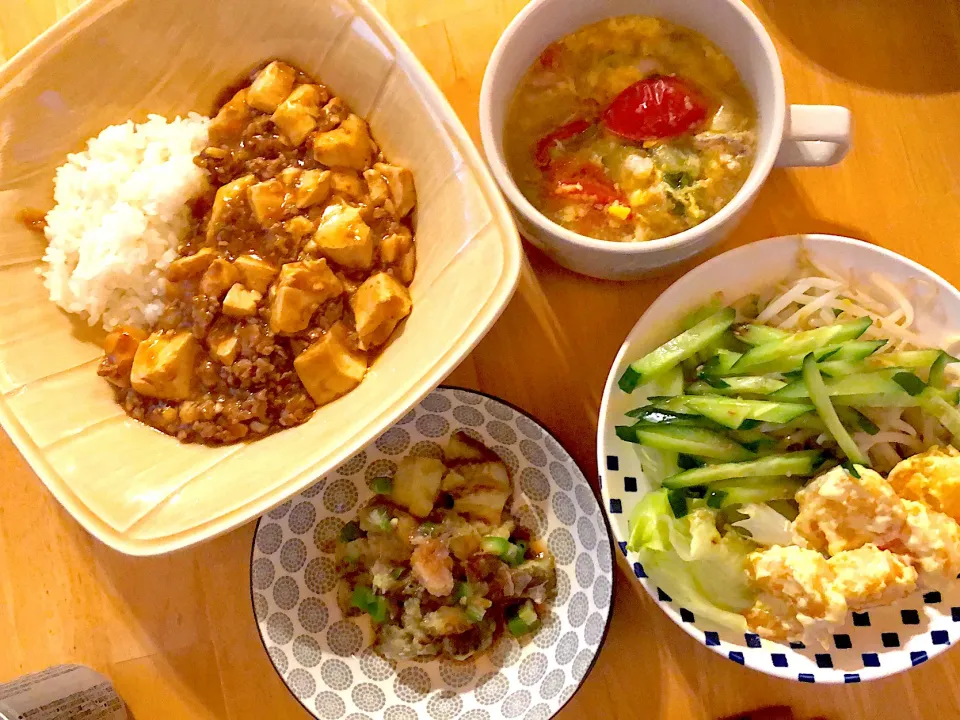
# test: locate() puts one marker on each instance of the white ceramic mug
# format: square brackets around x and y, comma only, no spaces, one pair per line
[795,135]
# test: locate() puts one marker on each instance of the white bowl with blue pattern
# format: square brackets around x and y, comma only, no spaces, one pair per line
[871,644]
[326,660]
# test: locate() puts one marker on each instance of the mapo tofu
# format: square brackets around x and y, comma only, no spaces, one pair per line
[294,276]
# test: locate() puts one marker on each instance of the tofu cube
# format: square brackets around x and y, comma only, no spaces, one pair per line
[399,180]
[223,342]
[191,265]
[312,276]
[330,368]
[299,227]
[296,117]
[378,305]
[240,302]
[231,120]
[218,278]
[394,246]
[271,86]
[301,289]
[347,184]
[164,366]
[377,187]
[348,145]
[344,237]
[255,273]
[312,188]
[416,484]
[267,201]
[291,310]
[228,197]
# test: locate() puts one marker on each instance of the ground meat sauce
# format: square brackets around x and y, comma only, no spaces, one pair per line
[293,277]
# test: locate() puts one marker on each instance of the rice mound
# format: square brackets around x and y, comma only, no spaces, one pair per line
[120,214]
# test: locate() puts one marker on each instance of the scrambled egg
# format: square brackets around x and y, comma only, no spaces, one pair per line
[869,576]
[932,477]
[797,591]
[861,542]
[840,512]
[932,539]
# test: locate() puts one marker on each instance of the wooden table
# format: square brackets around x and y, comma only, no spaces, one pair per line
[177,634]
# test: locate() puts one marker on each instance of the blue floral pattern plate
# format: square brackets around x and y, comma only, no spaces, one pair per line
[326,660]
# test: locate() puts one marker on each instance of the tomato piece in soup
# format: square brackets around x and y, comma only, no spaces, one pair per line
[656,107]
[564,132]
[581,182]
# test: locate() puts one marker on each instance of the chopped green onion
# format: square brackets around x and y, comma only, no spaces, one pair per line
[715,499]
[495,545]
[350,532]
[910,382]
[462,590]
[522,544]
[397,573]
[377,609]
[475,613]
[382,485]
[362,597]
[678,503]
[527,613]
[379,517]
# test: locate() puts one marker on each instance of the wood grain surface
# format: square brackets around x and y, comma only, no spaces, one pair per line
[177,635]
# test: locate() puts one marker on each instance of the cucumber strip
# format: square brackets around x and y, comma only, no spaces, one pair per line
[758,334]
[873,383]
[732,412]
[938,377]
[856,350]
[753,440]
[651,416]
[913,359]
[755,490]
[947,413]
[720,363]
[669,383]
[693,441]
[821,400]
[802,464]
[803,342]
[675,351]
[713,306]
[901,399]
[745,385]
[904,359]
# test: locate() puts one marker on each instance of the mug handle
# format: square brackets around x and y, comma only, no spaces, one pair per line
[815,136]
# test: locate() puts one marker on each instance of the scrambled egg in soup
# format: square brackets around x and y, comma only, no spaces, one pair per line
[631,129]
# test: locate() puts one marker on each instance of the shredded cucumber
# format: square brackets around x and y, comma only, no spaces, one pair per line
[675,351]
[800,464]
[803,342]
[821,400]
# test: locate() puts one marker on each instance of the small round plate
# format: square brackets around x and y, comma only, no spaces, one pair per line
[326,660]
[872,644]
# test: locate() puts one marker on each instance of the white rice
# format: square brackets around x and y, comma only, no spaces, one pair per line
[120,214]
